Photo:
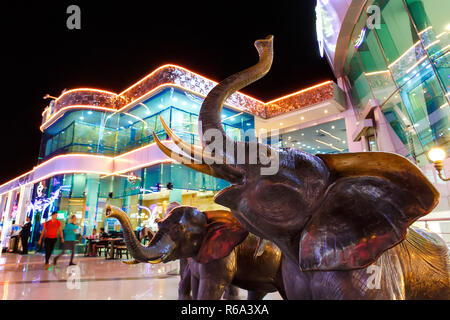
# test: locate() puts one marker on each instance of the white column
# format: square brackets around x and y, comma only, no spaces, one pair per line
[6,221]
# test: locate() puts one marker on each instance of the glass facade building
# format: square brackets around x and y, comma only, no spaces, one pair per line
[392,58]
[113,133]
[89,130]
[97,147]
[404,63]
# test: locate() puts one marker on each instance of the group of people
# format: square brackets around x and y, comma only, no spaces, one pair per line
[24,235]
[68,238]
[102,236]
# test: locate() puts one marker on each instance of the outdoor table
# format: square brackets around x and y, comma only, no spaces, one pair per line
[112,241]
[89,246]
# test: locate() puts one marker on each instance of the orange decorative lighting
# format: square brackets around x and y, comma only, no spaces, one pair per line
[301,91]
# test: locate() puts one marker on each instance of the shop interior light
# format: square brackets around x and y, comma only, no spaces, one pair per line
[329,145]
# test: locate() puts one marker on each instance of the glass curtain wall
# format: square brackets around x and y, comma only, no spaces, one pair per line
[405,65]
[329,137]
[115,133]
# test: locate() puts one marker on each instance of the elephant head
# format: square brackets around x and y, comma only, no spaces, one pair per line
[185,232]
[325,212]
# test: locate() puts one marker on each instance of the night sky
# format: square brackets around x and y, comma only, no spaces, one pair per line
[121,42]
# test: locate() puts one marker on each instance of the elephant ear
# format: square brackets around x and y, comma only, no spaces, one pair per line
[172,206]
[224,233]
[372,200]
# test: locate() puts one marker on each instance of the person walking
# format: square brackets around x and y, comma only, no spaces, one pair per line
[25,235]
[70,239]
[50,231]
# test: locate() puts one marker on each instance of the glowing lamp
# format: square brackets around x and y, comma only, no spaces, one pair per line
[437,156]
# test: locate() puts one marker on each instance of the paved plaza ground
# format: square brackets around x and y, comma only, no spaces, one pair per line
[22,277]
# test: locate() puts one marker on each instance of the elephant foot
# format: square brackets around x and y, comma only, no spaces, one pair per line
[185,297]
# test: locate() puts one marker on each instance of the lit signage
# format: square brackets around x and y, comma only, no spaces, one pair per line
[319,29]
[40,189]
[41,204]
[361,38]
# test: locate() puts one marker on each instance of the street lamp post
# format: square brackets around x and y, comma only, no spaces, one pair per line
[437,156]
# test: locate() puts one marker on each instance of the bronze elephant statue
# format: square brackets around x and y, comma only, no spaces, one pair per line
[220,252]
[342,221]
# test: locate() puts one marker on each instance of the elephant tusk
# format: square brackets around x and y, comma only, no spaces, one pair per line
[130,262]
[155,261]
[190,149]
[204,168]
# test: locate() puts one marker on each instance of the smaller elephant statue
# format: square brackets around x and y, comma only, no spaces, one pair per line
[218,250]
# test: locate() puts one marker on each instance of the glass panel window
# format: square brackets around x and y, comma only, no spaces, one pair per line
[371,141]
[434,29]
[399,40]
[376,69]
[360,89]
[330,137]
[427,108]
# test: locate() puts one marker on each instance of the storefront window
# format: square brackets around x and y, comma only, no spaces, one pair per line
[360,89]
[434,30]
[427,108]
[399,40]
[115,133]
[330,137]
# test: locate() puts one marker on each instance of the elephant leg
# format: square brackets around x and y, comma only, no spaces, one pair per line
[231,293]
[256,295]
[183,265]
[210,289]
[216,276]
[184,287]
[194,287]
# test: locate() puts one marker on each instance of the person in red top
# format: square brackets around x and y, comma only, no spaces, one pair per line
[50,230]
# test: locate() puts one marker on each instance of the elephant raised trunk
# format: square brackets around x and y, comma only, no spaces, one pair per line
[153,253]
[228,161]
[210,113]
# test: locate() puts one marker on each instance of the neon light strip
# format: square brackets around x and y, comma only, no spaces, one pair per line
[148,164]
[62,110]
[55,158]
[432,44]
[81,172]
[376,72]
[159,87]
[440,35]
[92,171]
[184,69]
[425,30]
[404,54]
[231,117]
[85,89]
[299,92]
[416,64]
[114,111]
